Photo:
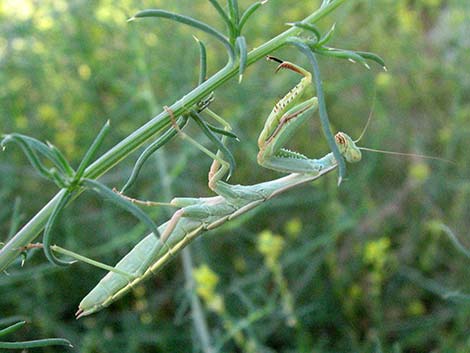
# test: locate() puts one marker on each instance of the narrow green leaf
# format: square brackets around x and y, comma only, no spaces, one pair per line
[373,57]
[326,38]
[36,343]
[91,152]
[248,12]
[308,27]
[343,54]
[202,61]
[230,25]
[58,179]
[44,150]
[220,131]
[219,119]
[241,46]
[154,146]
[215,139]
[61,160]
[37,146]
[234,13]
[125,204]
[436,287]
[12,328]
[29,152]
[190,22]
[47,238]
[10,320]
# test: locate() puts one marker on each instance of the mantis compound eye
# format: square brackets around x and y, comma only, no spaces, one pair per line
[348,148]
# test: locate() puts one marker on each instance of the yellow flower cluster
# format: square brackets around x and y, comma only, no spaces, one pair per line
[270,246]
[375,252]
[206,282]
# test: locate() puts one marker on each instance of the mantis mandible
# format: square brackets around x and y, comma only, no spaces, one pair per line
[196,215]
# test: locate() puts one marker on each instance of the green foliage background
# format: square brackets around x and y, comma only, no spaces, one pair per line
[367,265]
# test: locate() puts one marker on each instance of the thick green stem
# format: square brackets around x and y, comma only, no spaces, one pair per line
[158,124]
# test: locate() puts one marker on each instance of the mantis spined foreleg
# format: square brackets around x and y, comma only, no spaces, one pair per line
[196,215]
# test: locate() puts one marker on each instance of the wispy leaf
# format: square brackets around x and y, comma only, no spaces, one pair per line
[248,12]
[326,38]
[29,152]
[91,152]
[202,61]
[47,238]
[220,145]
[234,12]
[241,46]
[230,25]
[308,27]
[152,148]
[190,22]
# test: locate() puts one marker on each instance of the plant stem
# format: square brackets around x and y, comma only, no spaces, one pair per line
[28,233]
[197,314]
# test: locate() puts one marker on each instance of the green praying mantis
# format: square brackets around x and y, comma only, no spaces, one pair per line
[197,215]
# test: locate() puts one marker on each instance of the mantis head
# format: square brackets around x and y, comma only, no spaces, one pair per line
[347,147]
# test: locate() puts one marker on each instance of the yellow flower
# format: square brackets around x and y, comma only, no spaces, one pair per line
[375,252]
[270,246]
[206,281]
[293,227]
[383,79]
[416,308]
[84,71]
[407,18]
[419,172]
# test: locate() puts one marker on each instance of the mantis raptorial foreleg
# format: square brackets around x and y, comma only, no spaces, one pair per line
[285,118]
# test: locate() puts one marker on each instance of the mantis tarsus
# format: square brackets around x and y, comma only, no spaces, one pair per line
[196,215]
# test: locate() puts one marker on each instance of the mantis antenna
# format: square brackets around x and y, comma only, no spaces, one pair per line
[393,152]
[407,154]
[368,119]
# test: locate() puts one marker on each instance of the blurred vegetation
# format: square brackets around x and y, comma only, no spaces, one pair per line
[361,268]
